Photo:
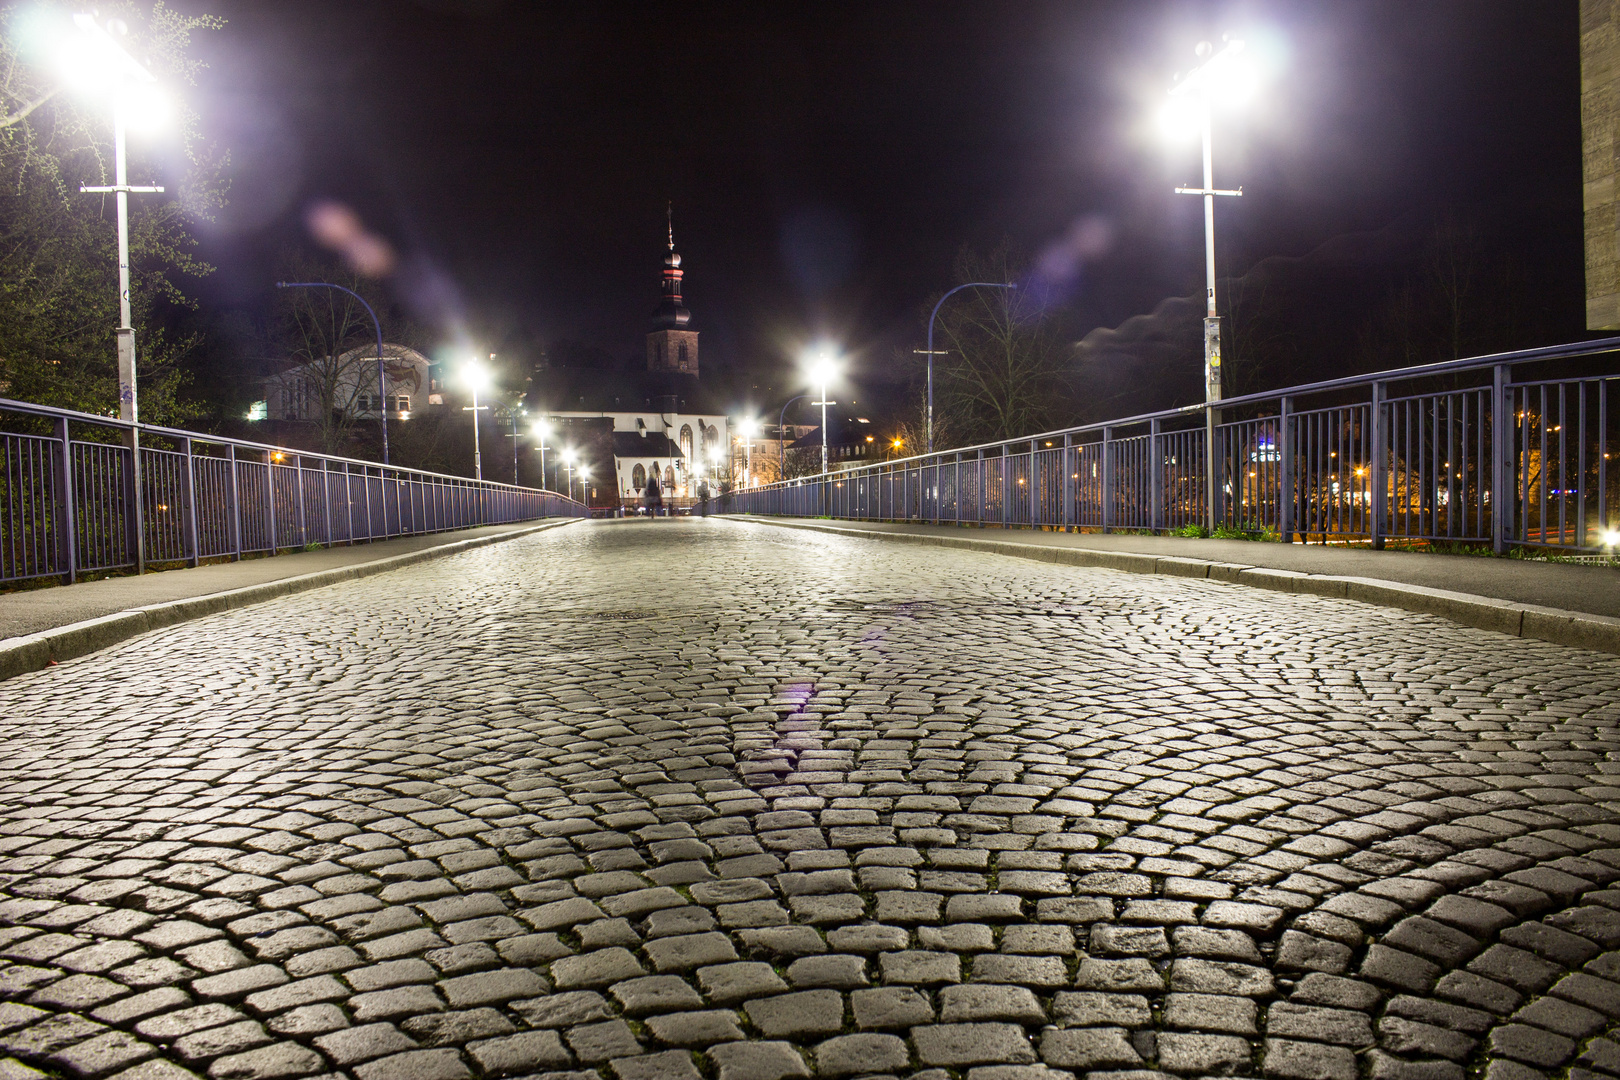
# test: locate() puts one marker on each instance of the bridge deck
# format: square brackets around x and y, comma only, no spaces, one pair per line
[667,799]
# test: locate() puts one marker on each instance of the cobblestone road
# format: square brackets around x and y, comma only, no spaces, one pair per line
[661,800]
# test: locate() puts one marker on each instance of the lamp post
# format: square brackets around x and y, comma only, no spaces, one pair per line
[382,390]
[1198,87]
[822,371]
[584,484]
[101,58]
[541,429]
[749,428]
[475,375]
[781,437]
[932,353]
[568,465]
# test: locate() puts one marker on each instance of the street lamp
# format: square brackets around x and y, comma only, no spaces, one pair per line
[1222,75]
[568,463]
[93,59]
[584,484]
[541,429]
[822,370]
[932,353]
[750,428]
[476,377]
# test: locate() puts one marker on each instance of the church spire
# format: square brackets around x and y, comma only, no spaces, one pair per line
[671,313]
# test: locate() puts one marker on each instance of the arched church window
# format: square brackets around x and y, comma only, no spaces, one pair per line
[714,435]
[681,355]
[669,477]
[686,441]
[638,478]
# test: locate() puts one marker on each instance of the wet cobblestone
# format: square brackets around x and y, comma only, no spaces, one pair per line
[822,807]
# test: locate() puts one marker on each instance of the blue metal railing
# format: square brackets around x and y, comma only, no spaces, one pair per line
[68,504]
[1509,449]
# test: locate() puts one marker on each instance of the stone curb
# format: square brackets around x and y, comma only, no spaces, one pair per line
[1576,629]
[36,651]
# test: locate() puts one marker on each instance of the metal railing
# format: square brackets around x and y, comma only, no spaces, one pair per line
[75,498]
[1509,449]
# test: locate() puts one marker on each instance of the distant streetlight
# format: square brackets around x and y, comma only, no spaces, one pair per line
[541,430]
[1221,75]
[932,353]
[476,376]
[568,463]
[822,370]
[584,483]
[750,428]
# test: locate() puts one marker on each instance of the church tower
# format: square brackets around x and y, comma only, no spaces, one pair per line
[670,346]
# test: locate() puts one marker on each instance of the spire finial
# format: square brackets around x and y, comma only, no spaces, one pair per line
[669,215]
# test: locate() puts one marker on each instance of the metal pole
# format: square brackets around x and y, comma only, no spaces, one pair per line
[382,390]
[128,405]
[823,427]
[1212,329]
[478,457]
[947,296]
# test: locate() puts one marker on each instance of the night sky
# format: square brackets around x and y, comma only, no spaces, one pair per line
[827,161]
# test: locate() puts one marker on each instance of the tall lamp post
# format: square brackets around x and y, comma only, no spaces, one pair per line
[568,464]
[98,57]
[750,428]
[1217,73]
[932,353]
[476,376]
[541,429]
[382,389]
[822,372]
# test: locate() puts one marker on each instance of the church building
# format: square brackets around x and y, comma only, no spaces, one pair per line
[633,424]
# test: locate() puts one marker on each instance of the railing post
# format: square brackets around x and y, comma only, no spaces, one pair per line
[1377,468]
[188,505]
[1155,476]
[66,510]
[1034,475]
[1107,488]
[1285,471]
[303,513]
[135,500]
[1006,487]
[1213,473]
[1070,467]
[270,499]
[326,501]
[236,506]
[1501,454]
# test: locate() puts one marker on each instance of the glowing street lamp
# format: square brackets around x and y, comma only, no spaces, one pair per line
[568,457]
[542,430]
[1225,76]
[750,428]
[93,60]
[821,370]
[476,377]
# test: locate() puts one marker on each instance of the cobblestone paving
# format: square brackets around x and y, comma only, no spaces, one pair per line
[662,800]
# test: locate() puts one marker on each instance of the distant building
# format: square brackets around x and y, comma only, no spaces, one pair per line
[851,441]
[664,421]
[347,384]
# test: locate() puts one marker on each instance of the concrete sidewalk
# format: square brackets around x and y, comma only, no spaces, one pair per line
[40,626]
[1562,602]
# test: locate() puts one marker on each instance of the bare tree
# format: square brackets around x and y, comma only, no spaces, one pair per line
[1004,372]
